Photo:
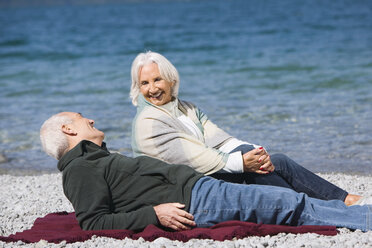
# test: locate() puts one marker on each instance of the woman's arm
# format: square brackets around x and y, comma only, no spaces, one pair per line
[164,140]
[257,160]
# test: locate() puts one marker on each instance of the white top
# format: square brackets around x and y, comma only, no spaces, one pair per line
[234,163]
[191,125]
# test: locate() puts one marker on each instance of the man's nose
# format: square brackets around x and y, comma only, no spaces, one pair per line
[91,121]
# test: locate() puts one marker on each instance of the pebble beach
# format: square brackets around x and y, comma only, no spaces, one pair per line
[294,77]
[25,198]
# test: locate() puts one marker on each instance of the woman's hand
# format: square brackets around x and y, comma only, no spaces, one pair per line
[258,161]
[171,215]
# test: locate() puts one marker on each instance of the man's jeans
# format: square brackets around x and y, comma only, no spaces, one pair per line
[214,201]
[287,174]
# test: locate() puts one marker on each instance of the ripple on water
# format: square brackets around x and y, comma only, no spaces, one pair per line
[298,83]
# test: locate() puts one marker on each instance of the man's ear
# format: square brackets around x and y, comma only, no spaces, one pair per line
[68,130]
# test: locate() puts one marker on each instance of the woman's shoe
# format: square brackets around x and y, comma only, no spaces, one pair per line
[364,201]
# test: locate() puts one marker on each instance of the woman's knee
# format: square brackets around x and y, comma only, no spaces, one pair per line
[278,158]
[282,161]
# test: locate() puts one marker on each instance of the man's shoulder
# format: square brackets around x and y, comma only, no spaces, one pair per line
[83,163]
[77,164]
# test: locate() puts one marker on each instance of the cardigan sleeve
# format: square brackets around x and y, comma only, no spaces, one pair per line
[213,135]
[161,139]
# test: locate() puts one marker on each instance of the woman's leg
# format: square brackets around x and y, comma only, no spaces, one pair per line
[303,180]
[214,201]
[229,177]
[251,178]
[289,174]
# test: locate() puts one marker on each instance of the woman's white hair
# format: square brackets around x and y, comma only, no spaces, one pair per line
[166,69]
[52,138]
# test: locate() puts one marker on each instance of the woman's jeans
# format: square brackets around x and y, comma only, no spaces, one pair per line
[287,174]
[214,201]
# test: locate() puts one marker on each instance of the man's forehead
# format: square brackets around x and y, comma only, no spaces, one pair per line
[71,114]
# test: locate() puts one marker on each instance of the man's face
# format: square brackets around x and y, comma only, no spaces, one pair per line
[84,127]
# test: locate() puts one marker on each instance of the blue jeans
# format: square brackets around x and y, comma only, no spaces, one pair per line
[214,201]
[287,174]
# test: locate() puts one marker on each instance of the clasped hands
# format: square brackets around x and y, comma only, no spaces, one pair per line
[258,161]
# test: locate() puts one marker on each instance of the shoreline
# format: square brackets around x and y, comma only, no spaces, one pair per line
[25,198]
[20,172]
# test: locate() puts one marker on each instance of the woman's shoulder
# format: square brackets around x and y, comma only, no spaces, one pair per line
[150,116]
[187,104]
[148,112]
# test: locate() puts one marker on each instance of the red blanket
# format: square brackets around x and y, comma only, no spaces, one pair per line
[57,227]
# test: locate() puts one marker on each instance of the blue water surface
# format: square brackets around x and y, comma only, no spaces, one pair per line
[293,76]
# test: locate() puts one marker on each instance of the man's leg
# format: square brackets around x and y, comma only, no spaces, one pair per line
[214,201]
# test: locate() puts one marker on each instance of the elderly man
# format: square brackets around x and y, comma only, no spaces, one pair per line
[111,191]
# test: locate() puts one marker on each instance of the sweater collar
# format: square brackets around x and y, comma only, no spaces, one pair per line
[172,107]
[84,148]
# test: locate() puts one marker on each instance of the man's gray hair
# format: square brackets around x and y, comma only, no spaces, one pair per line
[166,69]
[52,138]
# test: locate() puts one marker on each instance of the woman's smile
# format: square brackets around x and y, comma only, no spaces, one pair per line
[153,87]
[156,95]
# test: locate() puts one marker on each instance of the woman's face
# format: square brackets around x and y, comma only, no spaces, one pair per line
[153,87]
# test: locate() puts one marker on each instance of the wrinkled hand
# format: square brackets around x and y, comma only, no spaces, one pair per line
[258,161]
[171,215]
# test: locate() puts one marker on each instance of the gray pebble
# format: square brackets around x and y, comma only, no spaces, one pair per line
[3,158]
[23,199]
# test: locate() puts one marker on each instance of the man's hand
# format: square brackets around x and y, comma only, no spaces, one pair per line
[258,161]
[171,215]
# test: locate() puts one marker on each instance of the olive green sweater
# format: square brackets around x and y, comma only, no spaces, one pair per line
[111,191]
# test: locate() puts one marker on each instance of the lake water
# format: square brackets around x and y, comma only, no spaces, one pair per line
[293,76]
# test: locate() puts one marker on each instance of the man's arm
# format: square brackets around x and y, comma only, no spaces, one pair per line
[171,215]
[90,196]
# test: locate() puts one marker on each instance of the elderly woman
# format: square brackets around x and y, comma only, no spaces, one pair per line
[178,132]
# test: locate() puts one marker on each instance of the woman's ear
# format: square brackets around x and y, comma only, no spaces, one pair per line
[68,130]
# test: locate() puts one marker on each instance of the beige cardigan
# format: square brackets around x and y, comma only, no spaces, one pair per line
[156,132]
